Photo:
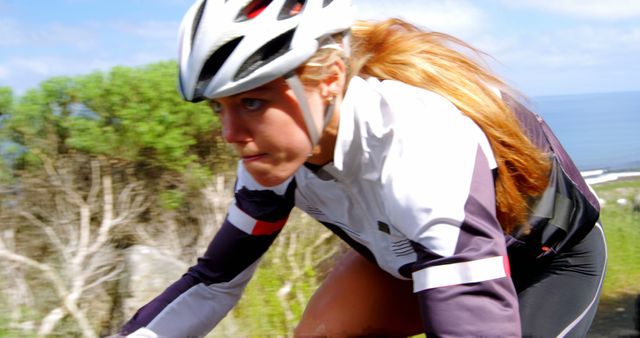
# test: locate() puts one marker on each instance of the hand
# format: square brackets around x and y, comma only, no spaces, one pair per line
[142,332]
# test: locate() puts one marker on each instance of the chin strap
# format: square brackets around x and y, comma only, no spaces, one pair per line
[293,81]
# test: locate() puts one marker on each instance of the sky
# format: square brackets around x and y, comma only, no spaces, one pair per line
[541,47]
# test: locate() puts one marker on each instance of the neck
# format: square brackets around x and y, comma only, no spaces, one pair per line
[322,153]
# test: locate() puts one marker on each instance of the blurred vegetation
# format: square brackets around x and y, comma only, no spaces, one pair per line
[93,165]
[85,161]
[96,164]
[289,274]
[621,222]
[131,116]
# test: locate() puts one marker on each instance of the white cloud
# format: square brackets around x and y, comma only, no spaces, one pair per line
[168,2]
[33,54]
[457,17]
[155,30]
[75,36]
[4,72]
[14,33]
[577,59]
[10,33]
[584,47]
[630,39]
[593,9]
[47,66]
[22,73]
[87,36]
[35,66]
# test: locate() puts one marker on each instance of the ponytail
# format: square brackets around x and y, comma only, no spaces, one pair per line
[394,49]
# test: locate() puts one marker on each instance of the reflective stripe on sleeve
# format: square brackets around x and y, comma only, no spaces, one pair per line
[250,225]
[460,273]
[143,332]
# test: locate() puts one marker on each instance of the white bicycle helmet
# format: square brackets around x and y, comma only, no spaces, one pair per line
[228,47]
[231,46]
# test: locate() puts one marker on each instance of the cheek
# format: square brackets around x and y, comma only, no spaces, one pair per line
[293,134]
[296,142]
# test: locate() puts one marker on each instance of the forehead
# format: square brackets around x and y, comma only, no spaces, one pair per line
[275,87]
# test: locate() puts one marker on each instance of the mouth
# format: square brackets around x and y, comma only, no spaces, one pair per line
[251,158]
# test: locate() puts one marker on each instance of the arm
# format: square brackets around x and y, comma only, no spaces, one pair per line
[464,288]
[441,196]
[194,304]
[461,276]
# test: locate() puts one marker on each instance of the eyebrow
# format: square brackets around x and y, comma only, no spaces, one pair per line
[264,88]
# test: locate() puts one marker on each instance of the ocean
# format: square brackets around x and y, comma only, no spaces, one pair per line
[600,131]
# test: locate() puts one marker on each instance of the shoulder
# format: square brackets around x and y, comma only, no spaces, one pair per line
[397,112]
[403,105]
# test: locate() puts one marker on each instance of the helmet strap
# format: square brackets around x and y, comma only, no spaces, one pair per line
[328,111]
[293,81]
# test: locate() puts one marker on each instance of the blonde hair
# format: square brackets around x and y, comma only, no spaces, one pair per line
[396,50]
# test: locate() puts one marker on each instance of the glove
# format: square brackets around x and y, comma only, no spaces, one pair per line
[139,333]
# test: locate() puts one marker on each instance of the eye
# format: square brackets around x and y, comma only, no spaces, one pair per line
[252,104]
[216,106]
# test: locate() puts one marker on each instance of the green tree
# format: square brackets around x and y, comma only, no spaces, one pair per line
[104,153]
[132,114]
[137,114]
[6,147]
[36,119]
[128,115]
[6,100]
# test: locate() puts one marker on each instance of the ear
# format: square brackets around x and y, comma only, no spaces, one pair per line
[334,84]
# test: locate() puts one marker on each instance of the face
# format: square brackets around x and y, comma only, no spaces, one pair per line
[266,128]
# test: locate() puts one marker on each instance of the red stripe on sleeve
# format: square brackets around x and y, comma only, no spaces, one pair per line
[268,228]
[507,267]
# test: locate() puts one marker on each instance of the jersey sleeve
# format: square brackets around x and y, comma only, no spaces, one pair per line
[195,304]
[441,196]
[461,275]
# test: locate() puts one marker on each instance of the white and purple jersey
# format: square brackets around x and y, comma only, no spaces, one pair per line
[411,187]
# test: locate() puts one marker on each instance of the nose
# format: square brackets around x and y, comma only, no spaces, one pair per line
[234,130]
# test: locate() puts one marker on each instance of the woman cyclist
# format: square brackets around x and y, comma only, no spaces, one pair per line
[465,215]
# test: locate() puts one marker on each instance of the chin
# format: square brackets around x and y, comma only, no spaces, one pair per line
[269,179]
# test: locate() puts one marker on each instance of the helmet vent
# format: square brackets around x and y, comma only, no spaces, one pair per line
[291,8]
[213,64]
[196,20]
[252,10]
[270,51]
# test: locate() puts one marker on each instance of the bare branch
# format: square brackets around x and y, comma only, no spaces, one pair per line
[82,246]
[57,180]
[50,321]
[53,237]
[143,236]
[105,277]
[283,294]
[80,317]
[107,213]
[308,254]
[291,255]
[130,205]
[95,182]
[44,268]
[17,290]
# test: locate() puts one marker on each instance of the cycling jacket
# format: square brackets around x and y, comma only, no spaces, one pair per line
[567,210]
[411,187]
